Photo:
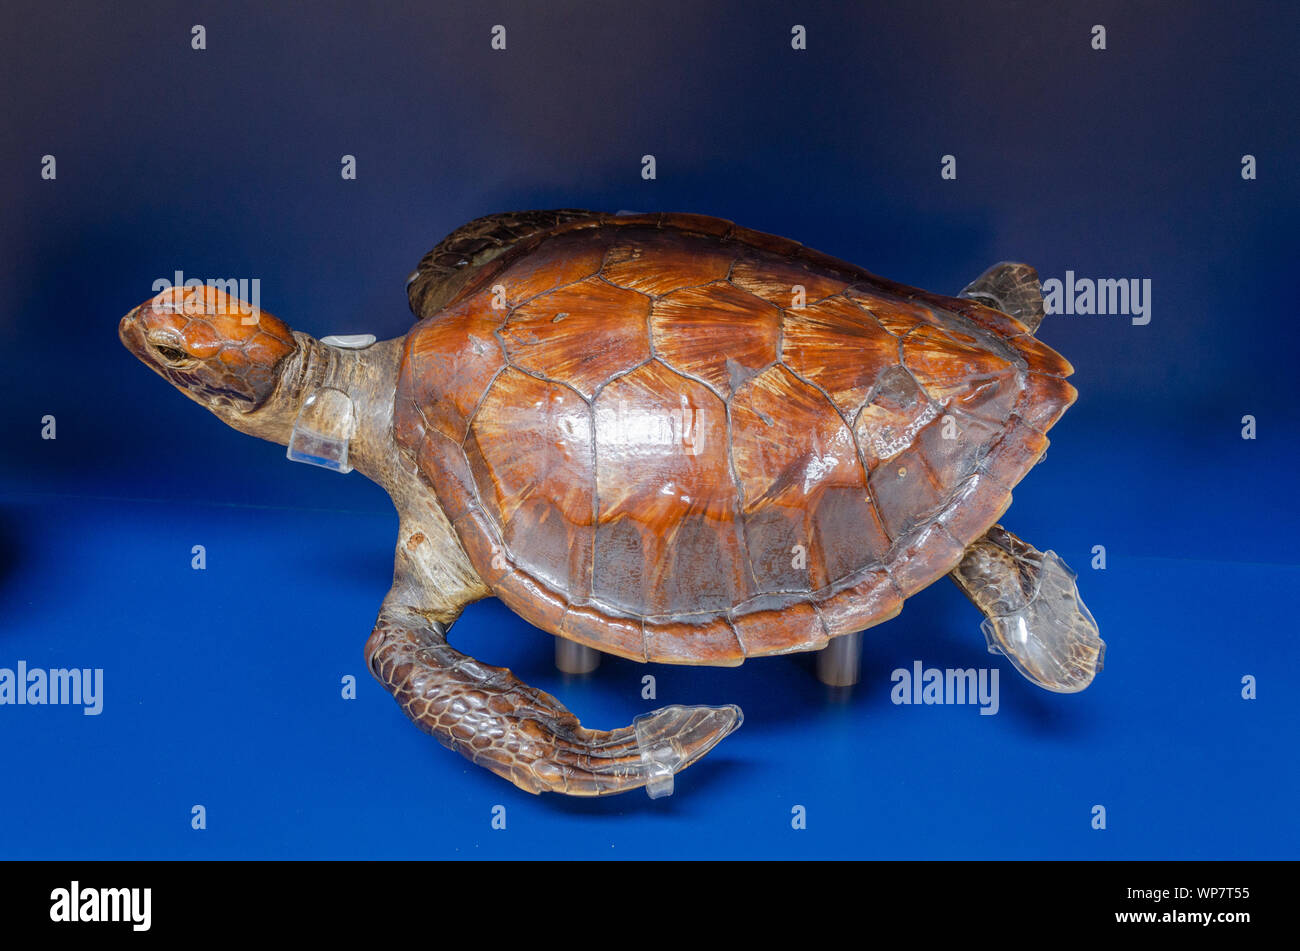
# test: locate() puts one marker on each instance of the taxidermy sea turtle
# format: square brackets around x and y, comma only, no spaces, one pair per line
[665,437]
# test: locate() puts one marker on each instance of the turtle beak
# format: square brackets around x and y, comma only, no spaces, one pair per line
[131,331]
[128,331]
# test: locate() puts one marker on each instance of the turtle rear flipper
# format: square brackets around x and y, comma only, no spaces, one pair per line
[1032,611]
[1012,288]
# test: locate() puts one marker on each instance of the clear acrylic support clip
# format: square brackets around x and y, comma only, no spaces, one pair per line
[1052,638]
[349,341]
[325,426]
[658,757]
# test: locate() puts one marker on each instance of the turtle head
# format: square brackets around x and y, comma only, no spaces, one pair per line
[217,350]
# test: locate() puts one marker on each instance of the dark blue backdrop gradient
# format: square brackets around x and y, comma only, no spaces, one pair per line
[223,686]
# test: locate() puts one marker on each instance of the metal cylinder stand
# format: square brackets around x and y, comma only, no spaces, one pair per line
[839,662]
[575,659]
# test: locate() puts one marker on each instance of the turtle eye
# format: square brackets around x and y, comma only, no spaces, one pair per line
[171,354]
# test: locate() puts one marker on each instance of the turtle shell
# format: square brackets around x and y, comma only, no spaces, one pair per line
[678,440]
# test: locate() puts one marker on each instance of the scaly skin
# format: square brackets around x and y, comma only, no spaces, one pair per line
[226,357]
[522,734]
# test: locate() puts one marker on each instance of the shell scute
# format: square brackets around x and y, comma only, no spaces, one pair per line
[965,516]
[658,263]
[667,539]
[623,636]
[566,260]
[680,221]
[1041,357]
[704,640]
[896,412]
[840,347]
[1043,400]
[779,626]
[807,516]
[1016,450]
[906,491]
[717,333]
[871,594]
[531,452]
[455,358]
[948,368]
[779,282]
[569,336]
[895,314]
[538,598]
[930,555]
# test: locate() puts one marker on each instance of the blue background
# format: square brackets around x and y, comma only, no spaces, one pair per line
[222,686]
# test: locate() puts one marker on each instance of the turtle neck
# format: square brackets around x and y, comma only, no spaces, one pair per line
[368,377]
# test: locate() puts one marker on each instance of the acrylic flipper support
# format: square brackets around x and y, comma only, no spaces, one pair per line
[1052,638]
[665,736]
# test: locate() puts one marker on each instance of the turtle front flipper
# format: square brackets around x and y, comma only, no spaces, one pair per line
[494,719]
[1032,611]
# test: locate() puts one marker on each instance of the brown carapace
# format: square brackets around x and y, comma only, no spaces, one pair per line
[677,440]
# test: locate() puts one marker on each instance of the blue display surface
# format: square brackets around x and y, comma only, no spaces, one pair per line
[224,687]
